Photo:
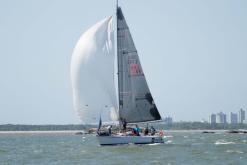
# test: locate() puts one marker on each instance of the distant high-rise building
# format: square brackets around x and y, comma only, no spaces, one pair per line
[233,118]
[221,118]
[212,118]
[168,120]
[241,116]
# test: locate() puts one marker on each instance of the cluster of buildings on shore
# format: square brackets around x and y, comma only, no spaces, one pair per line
[168,120]
[233,118]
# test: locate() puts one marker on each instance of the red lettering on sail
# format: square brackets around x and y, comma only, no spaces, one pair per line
[134,69]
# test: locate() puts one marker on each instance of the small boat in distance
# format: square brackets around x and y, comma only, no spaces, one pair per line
[237,131]
[208,131]
[93,83]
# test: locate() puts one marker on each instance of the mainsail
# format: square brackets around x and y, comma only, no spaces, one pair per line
[136,103]
[92,73]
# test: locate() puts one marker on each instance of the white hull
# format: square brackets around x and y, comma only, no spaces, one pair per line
[118,139]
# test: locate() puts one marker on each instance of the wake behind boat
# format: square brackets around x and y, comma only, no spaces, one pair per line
[92,73]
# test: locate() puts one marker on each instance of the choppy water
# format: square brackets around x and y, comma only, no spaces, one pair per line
[181,148]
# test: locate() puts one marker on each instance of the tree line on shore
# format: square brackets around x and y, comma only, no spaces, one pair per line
[172,126]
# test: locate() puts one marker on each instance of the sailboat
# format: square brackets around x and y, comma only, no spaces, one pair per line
[93,75]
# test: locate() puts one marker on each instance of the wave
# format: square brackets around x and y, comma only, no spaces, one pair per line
[169,142]
[235,151]
[223,142]
[155,144]
[168,136]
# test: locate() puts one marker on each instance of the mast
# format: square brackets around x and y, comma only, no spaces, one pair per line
[117,61]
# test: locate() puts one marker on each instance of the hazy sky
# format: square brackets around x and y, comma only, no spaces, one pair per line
[193,53]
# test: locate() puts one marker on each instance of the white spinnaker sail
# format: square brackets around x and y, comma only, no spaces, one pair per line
[92,73]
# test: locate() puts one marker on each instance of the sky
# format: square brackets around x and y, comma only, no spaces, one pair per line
[193,53]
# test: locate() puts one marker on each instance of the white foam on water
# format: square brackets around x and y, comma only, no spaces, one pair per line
[240,152]
[168,142]
[155,144]
[234,151]
[168,136]
[223,142]
[229,151]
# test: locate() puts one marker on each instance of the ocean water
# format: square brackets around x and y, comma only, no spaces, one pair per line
[180,148]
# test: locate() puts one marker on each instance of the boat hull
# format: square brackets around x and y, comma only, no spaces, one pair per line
[118,139]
